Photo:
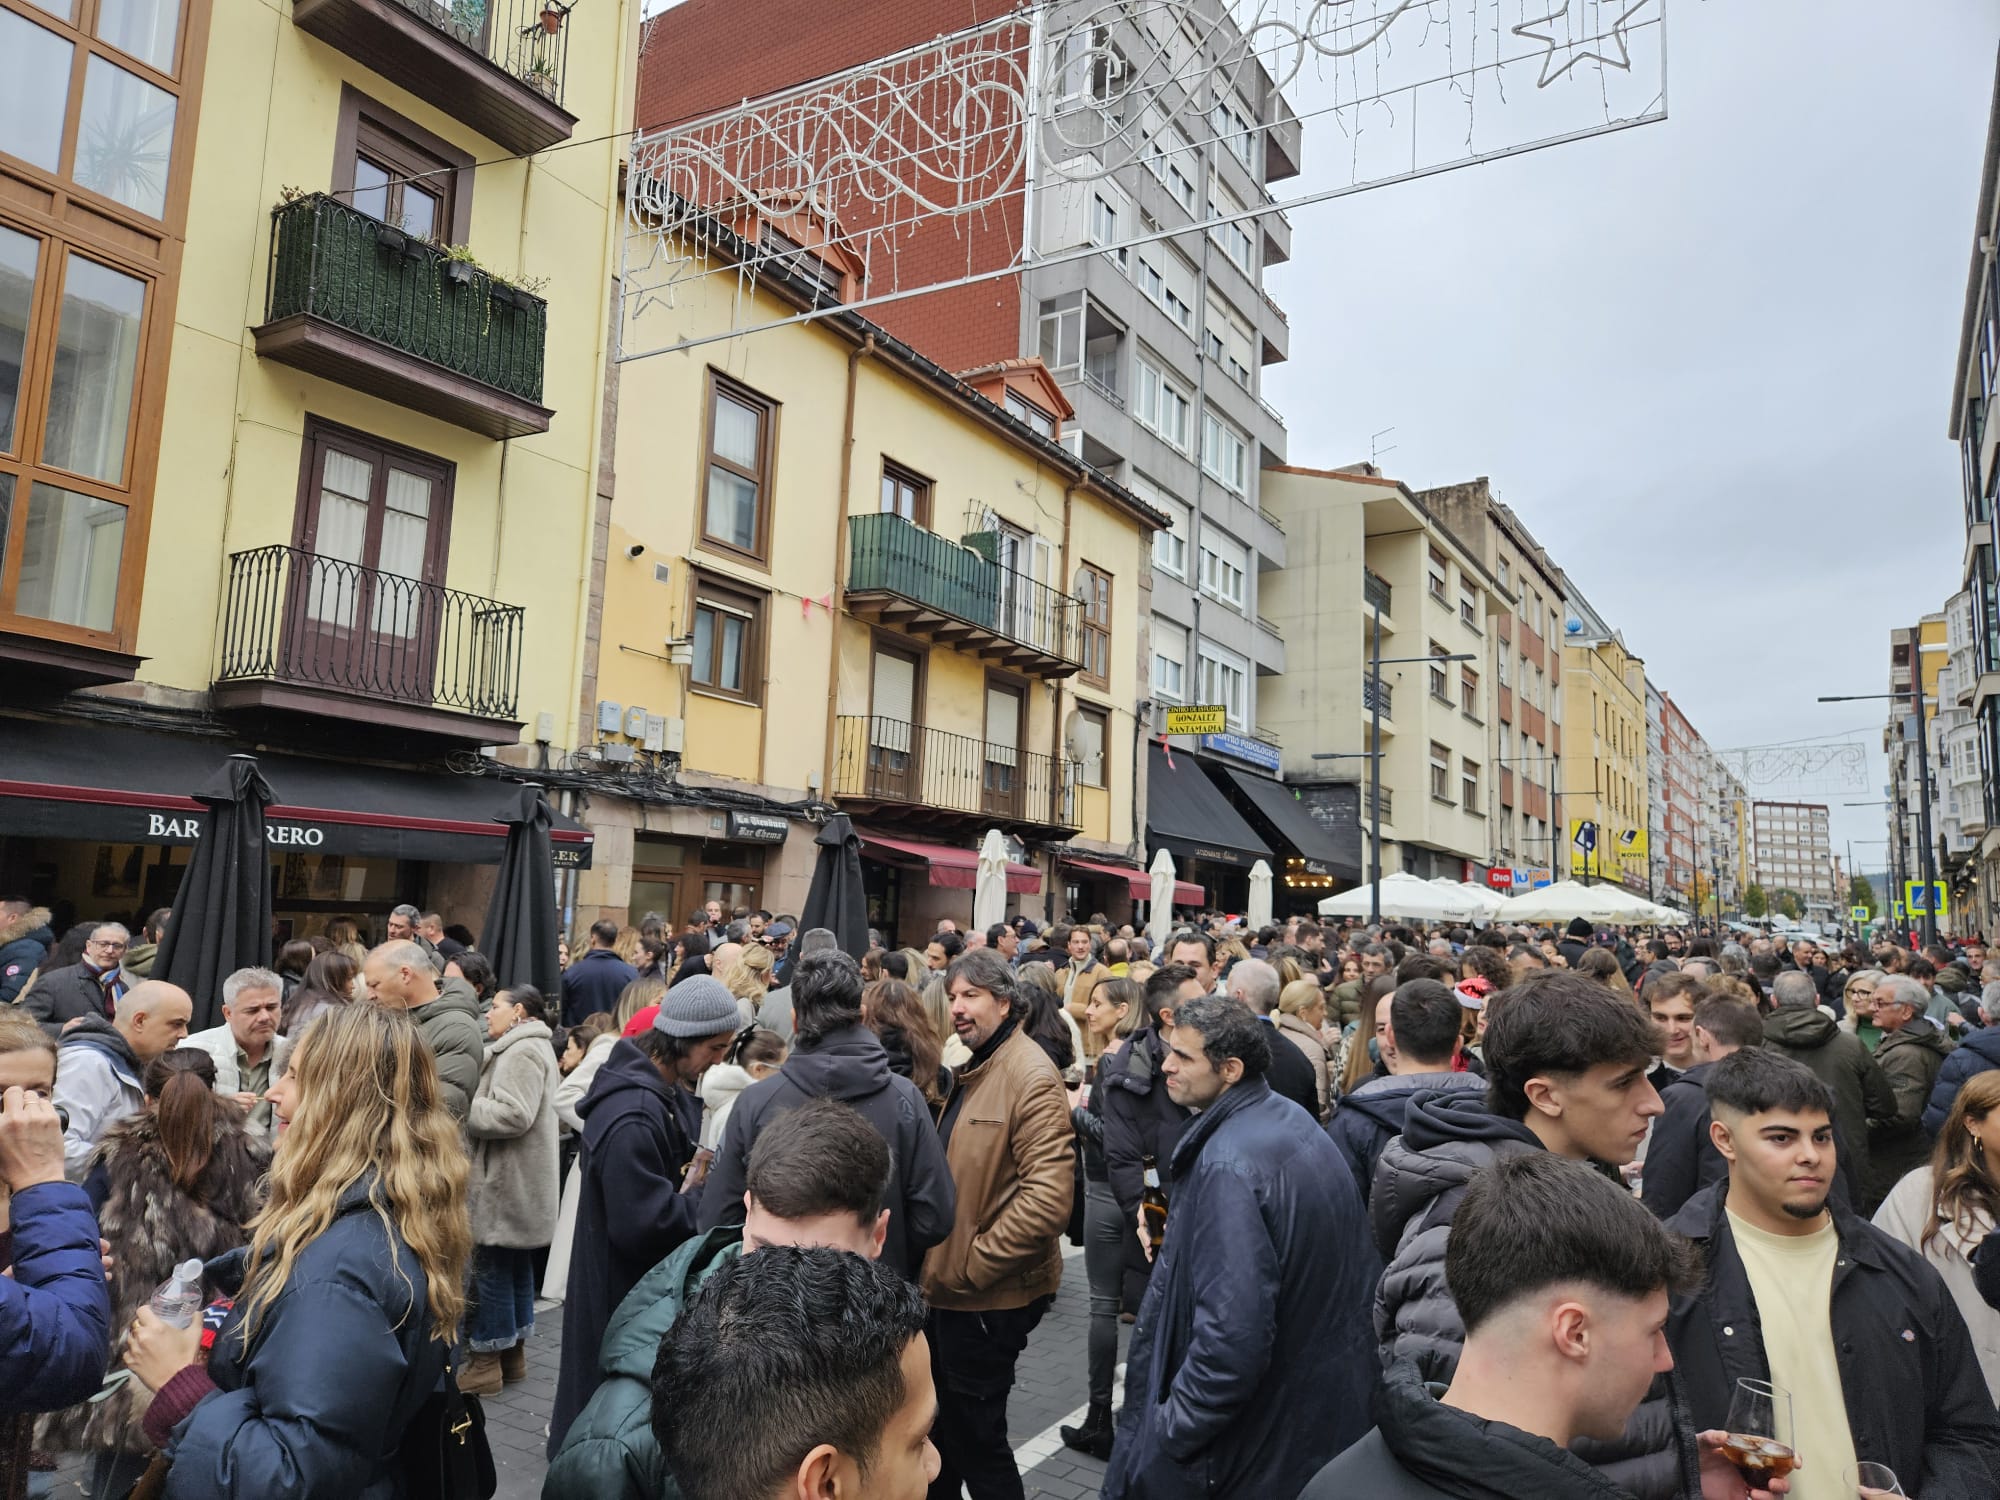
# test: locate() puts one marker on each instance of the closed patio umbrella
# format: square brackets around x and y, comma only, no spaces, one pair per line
[837,900]
[519,937]
[1258,913]
[1160,908]
[222,911]
[989,893]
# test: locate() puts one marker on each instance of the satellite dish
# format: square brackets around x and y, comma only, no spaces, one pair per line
[1073,735]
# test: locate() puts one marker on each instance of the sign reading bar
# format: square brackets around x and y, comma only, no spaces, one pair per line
[759,828]
[1198,718]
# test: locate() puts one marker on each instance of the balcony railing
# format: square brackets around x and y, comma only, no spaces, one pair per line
[1375,592]
[442,334]
[296,618]
[1104,386]
[1374,691]
[902,575]
[501,66]
[1369,798]
[890,761]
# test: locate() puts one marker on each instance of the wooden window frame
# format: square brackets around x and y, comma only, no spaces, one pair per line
[716,386]
[321,436]
[1440,763]
[1102,715]
[363,122]
[746,600]
[899,474]
[1099,630]
[889,642]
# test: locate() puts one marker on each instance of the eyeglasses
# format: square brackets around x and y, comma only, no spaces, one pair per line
[109,945]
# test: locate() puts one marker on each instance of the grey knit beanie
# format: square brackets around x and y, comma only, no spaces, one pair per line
[700,1005]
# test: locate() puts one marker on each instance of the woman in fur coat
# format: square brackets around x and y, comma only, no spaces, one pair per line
[176,1181]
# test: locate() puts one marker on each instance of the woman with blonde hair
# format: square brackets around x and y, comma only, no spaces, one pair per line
[937,1005]
[349,1296]
[627,944]
[1946,1209]
[1857,999]
[1301,1014]
[749,979]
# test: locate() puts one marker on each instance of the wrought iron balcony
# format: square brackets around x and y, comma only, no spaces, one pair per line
[1375,691]
[1375,592]
[957,595]
[501,66]
[302,633]
[890,765]
[360,302]
[1369,798]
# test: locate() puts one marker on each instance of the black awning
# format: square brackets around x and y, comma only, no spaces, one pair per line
[123,785]
[1285,818]
[1186,814]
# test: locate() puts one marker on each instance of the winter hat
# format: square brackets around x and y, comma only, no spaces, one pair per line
[699,1005]
[1579,927]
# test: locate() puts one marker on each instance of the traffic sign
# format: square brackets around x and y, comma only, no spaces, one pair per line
[1914,894]
[1198,718]
[1858,913]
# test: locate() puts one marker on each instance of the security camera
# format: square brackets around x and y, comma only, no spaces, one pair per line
[637,549]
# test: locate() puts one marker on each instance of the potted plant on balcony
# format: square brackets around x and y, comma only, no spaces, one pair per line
[459,265]
[552,18]
[540,75]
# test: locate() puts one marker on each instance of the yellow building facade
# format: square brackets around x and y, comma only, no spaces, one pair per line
[1604,761]
[838,577]
[315,303]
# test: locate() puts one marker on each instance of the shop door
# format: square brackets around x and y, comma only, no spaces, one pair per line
[656,891]
[365,593]
[894,738]
[1003,780]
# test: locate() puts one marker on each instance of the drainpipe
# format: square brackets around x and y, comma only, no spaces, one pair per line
[861,351]
[1056,719]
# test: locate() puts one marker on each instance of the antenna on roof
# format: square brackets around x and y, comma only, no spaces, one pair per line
[1375,450]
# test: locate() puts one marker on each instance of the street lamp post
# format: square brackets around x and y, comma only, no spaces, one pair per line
[1927,868]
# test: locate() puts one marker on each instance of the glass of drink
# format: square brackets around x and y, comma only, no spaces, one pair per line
[1759,1433]
[1872,1482]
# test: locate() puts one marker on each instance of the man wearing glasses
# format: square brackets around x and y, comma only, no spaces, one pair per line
[90,988]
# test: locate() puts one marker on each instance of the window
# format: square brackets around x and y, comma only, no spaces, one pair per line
[1468,692]
[1168,281]
[1105,217]
[735,514]
[1439,573]
[1170,156]
[1225,565]
[1225,453]
[1170,643]
[1500,665]
[905,493]
[1468,785]
[1233,238]
[1093,587]
[1092,725]
[1222,677]
[1228,343]
[1022,409]
[1230,120]
[1440,772]
[394,170]
[1169,545]
[1440,681]
[1504,570]
[728,641]
[1468,602]
[1164,406]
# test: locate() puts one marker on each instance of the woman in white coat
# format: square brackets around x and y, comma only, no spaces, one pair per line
[1944,1210]
[511,1128]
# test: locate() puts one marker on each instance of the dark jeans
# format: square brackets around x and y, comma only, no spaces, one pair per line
[1105,1232]
[972,1363]
[502,1311]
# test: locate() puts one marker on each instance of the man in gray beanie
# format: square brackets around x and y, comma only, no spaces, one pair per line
[641,1176]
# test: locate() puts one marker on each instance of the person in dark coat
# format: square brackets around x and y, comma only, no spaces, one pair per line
[1141,1120]
[25,940]
[1912,1052]
[1424,1021]
[1250,1364]
[1681,1160]
[89,987]
[1549,1261]
[1858,1326]
[313,1380]
[1576,940]
[597,977]
[1566,1063]
[1802,1031]
[1256,984]
[838,1057]
[640,1184]
[1978,1051]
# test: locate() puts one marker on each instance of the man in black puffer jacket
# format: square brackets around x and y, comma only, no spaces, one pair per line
[1141,1124]
[840,1058]
[1566,1063]
[1421,1040]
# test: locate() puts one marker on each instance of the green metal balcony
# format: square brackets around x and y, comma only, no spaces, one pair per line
[360,302]
[954,594]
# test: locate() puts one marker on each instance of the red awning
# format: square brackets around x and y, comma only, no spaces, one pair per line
[1186,892]
[957,869]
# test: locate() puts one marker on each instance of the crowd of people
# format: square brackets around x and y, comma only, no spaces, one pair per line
[1392,1211]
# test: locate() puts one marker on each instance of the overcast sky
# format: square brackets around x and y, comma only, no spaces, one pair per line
[1708,361]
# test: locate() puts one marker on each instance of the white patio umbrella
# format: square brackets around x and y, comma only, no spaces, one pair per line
[1568,899]
[989,891]
[1487,903]
[1160,909]
[1404,896]
[1258,913]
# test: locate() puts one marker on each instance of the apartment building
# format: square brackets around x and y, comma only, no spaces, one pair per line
[1371,564]
[836,602]
[300,440]
[1918,671]
[1793,852]
[1526,738]
[1961,800]
[1604,777]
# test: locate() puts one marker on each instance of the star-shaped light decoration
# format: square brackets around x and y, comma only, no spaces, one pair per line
[1606,46]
